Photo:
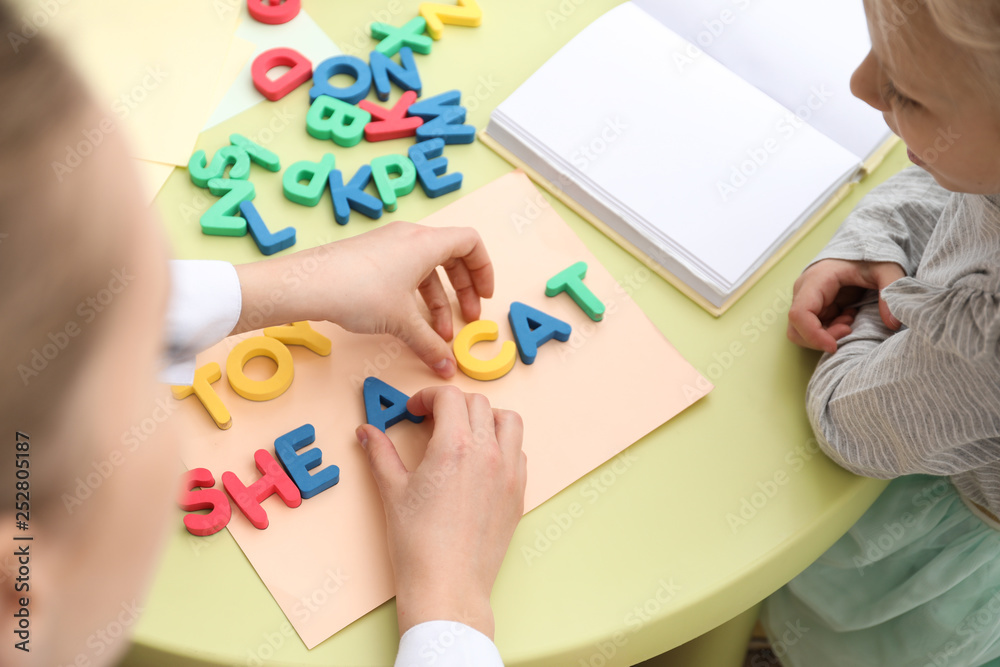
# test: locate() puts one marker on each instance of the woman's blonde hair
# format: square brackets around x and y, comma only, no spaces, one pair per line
[52,254]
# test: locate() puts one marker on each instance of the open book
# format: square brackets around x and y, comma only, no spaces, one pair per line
[703,137]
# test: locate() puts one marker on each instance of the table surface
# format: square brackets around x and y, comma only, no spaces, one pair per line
[652,556]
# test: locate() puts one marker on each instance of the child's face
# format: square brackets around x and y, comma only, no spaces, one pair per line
[922,84]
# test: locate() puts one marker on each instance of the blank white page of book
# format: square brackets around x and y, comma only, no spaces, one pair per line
[707,159]
[802,54]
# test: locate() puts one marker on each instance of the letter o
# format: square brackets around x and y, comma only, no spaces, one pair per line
[260,390]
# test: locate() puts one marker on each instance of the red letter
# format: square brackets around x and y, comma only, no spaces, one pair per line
[273,480]
[205,499]
[392,123]
[274,12]
[300,72]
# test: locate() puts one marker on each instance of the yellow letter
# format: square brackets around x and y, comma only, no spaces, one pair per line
[478,369]
[202,388]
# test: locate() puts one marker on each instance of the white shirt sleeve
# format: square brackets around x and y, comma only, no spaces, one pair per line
[205,304]
[446,644]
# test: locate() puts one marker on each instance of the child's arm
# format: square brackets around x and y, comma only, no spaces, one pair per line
[881,241]
[369,284]
[924,400]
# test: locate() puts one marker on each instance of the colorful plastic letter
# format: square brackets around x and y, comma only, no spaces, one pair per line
[432,107]
[449,126]
[257,153]
[221,218]
[480,369]
[297,465]
[353,196]
[392,123]
[348,65]
[444,118]
[268,242]
[274,12]
[260,390]
[343,123]
[273,480]
[205,498]
[301,333]
[533,328]
[393,38]
[274,89]
[224,157]
[467,14]
[571,281]
[314,173]
[431,168]
[385,405]
[390,188]
[404,73]
[202,389]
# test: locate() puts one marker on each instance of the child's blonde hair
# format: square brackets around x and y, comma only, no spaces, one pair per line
[973,26]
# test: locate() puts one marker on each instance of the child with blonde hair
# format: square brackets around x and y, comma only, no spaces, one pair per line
[905,302]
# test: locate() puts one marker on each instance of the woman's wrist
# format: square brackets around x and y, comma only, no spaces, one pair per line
[441,604]
[279,291]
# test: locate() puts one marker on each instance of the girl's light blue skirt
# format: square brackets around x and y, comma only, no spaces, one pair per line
[915,583]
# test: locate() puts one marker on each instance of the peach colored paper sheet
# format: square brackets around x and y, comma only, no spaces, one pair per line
[583,402]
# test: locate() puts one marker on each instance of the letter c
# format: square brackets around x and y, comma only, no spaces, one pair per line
[479,369]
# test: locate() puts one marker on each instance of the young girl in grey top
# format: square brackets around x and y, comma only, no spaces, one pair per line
[905,301]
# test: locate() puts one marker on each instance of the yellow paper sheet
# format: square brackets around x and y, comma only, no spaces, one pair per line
[582,401]
[154,64]
[239,53]
[152,175]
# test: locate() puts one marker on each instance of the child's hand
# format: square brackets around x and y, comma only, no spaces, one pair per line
[821,312]
[451,519]
[369,284]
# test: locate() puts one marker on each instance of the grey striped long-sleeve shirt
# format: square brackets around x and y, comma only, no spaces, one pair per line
[925,399]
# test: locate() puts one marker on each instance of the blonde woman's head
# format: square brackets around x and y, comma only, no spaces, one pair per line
[82,293]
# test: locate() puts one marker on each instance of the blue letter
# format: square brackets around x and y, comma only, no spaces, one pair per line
[298,465]
[385,405]
[532,328]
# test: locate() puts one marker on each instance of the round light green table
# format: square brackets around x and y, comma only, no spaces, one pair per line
[691,527]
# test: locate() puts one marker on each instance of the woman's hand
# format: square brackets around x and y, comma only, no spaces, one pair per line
[821,312]
[450,520]
[369,284]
